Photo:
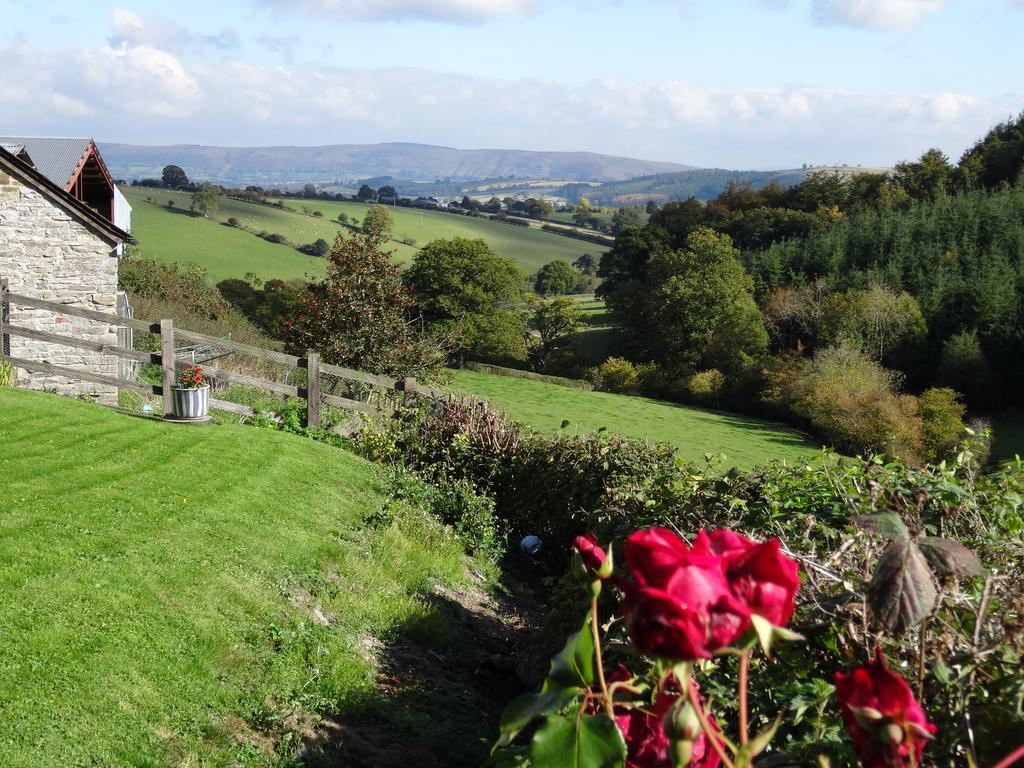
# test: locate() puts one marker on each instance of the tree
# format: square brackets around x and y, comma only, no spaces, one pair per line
[942,414]
[625,218]
[674,221]
[343,218]
[556,278]
[174,177]
[537,208]
[651,207]
[878,319]
[551,325]
[928,178]
[206,199]
[378,221]
[309,190]
[697,308]
[321,247]
[357,316]
[585,264]
[463,287]
[366,192]
[586,216]
[386,191]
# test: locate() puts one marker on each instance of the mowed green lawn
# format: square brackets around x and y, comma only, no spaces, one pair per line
[695,432]
[184,596]
[531,248]
[170,235]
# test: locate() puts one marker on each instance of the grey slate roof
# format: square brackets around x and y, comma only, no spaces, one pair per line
[55,158]
[32,177]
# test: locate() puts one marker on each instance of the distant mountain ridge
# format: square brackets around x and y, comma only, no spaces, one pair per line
[349,162]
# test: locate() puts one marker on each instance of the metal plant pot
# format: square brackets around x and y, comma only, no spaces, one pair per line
[190,403]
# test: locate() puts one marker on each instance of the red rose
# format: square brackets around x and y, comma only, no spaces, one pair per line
[759,574]
[592,556]
[679,605]
[885,722]
[647,745]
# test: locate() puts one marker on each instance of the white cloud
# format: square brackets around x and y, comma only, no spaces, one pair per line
[131,28]
[898,15]
[142,94]
[457,11]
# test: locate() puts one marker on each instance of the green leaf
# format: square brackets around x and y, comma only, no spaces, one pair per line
[901,593]
[887,524]
[950,557]
[573,667]
[591,741]
[942,672]
[759,743]
[763,628]
[523,709]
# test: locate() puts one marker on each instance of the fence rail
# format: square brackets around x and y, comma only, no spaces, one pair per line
[315,369]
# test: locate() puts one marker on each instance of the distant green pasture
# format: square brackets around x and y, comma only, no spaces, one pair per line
[745,441]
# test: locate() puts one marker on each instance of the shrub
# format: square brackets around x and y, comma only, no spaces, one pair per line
[233,222]
[943,416]
[706,387]
[616,374]
[6,374]
[559,486]
[547,485]
[453,502]
[852,402]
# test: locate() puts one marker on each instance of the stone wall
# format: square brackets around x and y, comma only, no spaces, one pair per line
[48,254]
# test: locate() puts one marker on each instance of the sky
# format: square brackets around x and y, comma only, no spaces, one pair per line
[738,84]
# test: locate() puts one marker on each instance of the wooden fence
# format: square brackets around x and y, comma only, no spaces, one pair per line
[168,334]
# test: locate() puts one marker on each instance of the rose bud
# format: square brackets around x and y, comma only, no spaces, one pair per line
[646,732]
[597,564]
[887,726]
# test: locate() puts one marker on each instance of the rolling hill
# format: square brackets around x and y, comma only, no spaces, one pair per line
[702,183]
[169,234]
[347,162]
[744,440]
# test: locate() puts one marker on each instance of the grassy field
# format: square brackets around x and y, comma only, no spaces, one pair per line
[531,248]
[169,235]
[743,440]
[186,596]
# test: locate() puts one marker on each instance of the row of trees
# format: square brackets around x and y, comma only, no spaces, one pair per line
[458,299]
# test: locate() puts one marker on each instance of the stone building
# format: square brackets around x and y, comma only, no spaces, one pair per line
[58,242]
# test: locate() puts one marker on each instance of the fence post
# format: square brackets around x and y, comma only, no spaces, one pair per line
[312,389]
[409,388]
[5,318]
[167,380]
